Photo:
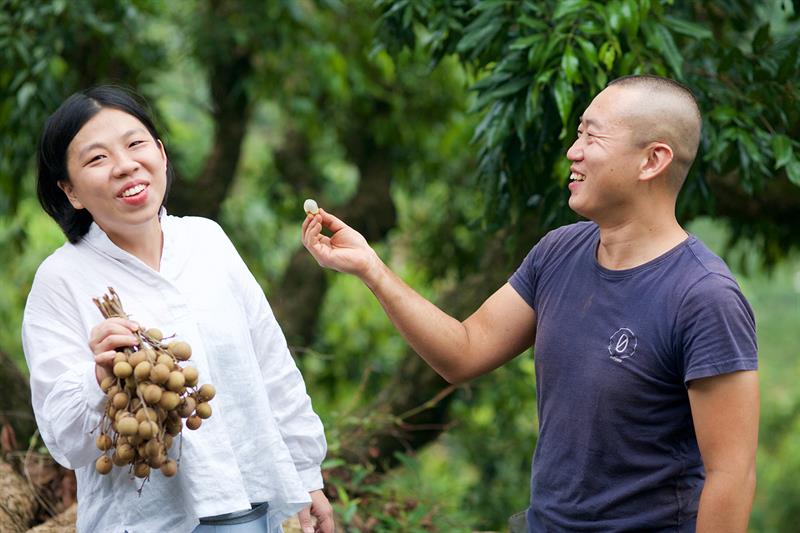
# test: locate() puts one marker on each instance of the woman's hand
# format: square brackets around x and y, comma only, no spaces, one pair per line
[321,510]
[346,250]
[105,338]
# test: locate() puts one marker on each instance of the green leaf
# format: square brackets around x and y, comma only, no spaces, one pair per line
[589,50]
[793,171]
[684,27]
[568,6]
[570,65]
[607,55]
[761,40]
[782,150]
[565,96]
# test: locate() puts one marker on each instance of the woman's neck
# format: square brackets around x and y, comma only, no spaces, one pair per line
[144,243]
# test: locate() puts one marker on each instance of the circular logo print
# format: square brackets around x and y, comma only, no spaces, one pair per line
[622,344]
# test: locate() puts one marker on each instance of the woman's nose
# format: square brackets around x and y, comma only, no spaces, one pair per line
[124,166]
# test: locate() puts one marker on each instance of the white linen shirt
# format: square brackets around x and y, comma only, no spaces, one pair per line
[262,443]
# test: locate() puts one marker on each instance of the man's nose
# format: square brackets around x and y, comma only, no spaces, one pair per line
[575,152]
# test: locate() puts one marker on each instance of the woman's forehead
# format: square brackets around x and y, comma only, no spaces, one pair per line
[105,126]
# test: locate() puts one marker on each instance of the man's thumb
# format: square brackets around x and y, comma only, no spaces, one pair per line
[304,517]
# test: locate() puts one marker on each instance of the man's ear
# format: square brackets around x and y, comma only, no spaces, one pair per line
[70,193]
[658,158]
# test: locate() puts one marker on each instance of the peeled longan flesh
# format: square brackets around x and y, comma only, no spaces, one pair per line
[103,465]
[310,207]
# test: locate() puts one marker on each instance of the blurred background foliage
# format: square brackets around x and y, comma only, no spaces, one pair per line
[438,129]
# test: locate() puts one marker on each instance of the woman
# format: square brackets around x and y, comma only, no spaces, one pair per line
[104,176]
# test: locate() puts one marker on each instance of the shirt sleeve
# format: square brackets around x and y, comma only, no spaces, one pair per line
[300,427]
[716,329]
[67,401]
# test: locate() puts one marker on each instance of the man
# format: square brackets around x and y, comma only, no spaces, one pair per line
[644,346]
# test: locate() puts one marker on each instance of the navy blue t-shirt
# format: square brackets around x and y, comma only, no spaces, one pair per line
[614,352]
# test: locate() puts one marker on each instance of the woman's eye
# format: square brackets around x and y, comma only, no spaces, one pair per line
[97,157]
[135,143]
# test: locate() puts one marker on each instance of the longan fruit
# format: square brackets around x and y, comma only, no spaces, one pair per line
[141,470]
[203,410]
[169,400]
[120,400]
[155,334]
[142,370]
[103,465]
[127,426]
[193,422]
[176,381]
[169,468]
[107,383]
[191,375]
[103,442]
[152,394]
[123,369]
[181,350]
[207,392]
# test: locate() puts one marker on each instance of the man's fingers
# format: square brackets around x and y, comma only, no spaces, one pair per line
[331,222]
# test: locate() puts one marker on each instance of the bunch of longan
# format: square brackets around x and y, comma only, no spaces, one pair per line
[149,395]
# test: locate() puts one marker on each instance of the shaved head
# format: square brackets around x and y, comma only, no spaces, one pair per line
[664,111]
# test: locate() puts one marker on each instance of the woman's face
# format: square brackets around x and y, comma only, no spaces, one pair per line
[118,172]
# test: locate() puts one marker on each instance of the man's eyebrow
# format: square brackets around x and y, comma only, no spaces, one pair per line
[588,121]
[102,145]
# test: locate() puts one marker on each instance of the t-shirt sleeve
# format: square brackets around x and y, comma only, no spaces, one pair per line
[716,329]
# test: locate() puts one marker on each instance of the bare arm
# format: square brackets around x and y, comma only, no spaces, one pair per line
[497,332]
[725,411]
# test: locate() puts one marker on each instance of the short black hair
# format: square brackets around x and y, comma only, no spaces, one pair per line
[59,130]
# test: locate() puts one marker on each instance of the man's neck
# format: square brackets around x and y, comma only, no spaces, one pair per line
[631,243]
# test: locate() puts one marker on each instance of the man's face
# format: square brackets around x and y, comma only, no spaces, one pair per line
[605,158]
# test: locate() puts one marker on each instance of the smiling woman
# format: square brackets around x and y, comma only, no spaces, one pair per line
[104,176]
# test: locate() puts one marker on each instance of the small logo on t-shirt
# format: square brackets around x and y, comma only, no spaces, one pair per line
[622,344]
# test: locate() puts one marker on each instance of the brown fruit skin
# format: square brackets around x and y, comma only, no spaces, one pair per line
[117,460]
[193,422]
[180,350]
[125,452]
[148,413]
[159,374]
[107,383]
[152,394]
[141,470]
[191,375]
[207,392]
[103,465]
[120,358]
[120,400]
[176,381]
[166,360]
[169,400]
[169,468]
[142,371]
[127,426]
[137,358]
[123,370]
[154,333]
[148,429]
[203,410]
[103,442]
[174,427]
[187,407]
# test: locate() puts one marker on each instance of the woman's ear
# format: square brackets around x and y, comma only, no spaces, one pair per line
[163,153]
[70,193]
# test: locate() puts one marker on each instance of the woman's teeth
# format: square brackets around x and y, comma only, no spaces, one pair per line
[574,176]
[134,190]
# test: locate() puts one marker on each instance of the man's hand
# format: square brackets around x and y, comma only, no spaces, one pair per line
[322,512]
[345,250]
[105,338]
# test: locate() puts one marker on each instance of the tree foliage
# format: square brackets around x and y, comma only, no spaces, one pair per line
[538,64]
